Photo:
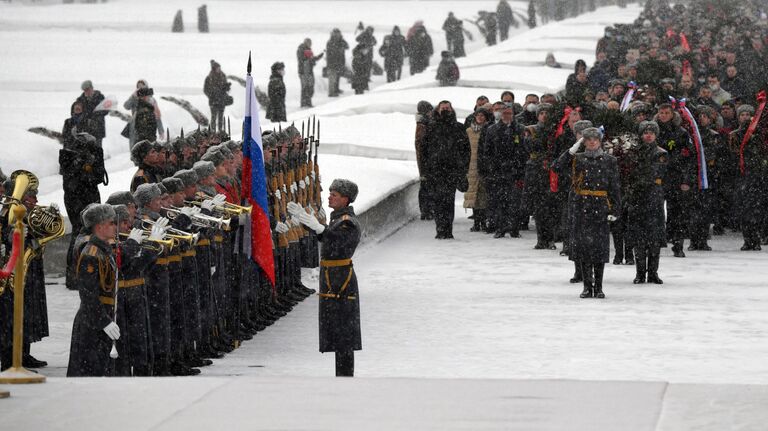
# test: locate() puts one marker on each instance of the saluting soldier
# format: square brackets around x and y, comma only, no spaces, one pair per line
[94,329]
[594,202]
[339,297]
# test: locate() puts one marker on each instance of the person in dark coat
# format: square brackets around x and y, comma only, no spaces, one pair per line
[752,154]
[216,88]
[446,156]
[453,30]
[448,71]
[506,19]
[94,330]
[594,202]
[90,99]
[276,91]
[419,49]
[335,61]
[680,176]
[145,124]
[339,319]
[145,156]
[501,162]
[78,122]
[705,209]
[488,24]
[361,67]
[538,198]
[424,111]
[81,164]
[644,200]
[306,60]
[393,51]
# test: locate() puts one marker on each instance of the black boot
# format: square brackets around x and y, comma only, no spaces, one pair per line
[629,256]
[345,364]
[640,265]
[599,268]
[653,268]
[577,275]
[586,272]
[677,248]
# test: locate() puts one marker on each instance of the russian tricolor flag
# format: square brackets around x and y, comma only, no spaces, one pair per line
[255,182]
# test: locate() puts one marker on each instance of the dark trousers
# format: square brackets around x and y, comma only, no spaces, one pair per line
[546,218]
[345,363]
[678,212]
[443,198]
[217,118]
[647,259]
[618,232]
[394,72]
[592,274]
[754,203]
[333,82]
[425,201]
[504,200]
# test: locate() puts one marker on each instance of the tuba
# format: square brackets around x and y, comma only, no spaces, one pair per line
[44,224]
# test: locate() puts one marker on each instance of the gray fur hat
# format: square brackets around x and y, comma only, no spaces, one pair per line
[226,152]
[203,168]
[270,140]
[173,185]
[345,188]
[187,176]
[645,126]
[215,157]
[544,107]
[706,110]
[234,146]
[121,212]
[591,133]
[581,125]
[638,108]
[145,193]
[121,198]
[745,108]
[140,150]
[96,214]
[292,131]
[163,190]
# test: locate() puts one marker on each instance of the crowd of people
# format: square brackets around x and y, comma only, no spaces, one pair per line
[661,140]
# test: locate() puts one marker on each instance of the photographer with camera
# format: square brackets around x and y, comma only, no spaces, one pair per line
[81,164]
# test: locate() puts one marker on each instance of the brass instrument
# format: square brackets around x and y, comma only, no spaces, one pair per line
[227,206]
[45,224]
[158,245]
[173,233]
[200,220]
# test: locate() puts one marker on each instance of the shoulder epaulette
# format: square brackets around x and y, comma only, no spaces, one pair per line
[92,250]
[346,217]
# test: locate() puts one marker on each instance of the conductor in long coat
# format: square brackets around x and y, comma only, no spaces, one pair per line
[339,316]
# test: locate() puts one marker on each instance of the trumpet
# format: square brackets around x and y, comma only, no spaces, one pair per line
[173,233]
[200,220]
[228,206]
[157,245]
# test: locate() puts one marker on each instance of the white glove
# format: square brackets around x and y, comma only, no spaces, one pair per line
[294,209]
[207,205]
[54,207]
[612,218]
[576,146]
[311,222]
[189,211]
[278,195]
[158,229]
[2,250]
[312,174]
[219,200]
[293,221]
[285,189]
[281,227]
[302,184]
[321,213]
[112,331]
[136,235]
[294,189]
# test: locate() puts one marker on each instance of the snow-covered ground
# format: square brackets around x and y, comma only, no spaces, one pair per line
[457,334]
